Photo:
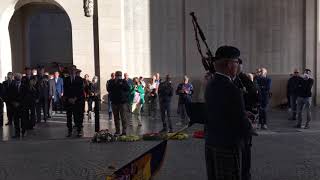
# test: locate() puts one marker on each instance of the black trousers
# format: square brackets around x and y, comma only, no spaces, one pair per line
[57,104]
[29,114]
[96,109]
[165,111]
[9,112]
[1,112]
[19,121]
[74,113]
[42,104]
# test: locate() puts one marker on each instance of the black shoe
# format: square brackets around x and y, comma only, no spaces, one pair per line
[49,117]
[297,126]
[69,134]
[123,134]
[306,127]
[8,124]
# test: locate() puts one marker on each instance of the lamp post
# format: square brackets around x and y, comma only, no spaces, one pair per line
[91,10]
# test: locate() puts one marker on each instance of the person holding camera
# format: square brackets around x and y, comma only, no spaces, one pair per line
[165,95]
[184,91]
[119,91]
[136,99]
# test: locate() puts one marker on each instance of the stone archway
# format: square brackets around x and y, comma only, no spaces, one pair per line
[25,52]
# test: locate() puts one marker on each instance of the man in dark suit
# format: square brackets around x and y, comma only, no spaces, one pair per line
[6,84]
[73,96]
[226,126]
[42,99]
[52,94]
[57,105]
[29,82]
[16,96]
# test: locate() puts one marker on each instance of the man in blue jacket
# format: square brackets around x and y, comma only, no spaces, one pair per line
[59,92]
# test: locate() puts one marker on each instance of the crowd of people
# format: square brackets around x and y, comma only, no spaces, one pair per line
[36,95]
[135,95]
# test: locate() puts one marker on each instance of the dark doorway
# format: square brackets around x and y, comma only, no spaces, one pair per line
[40,34]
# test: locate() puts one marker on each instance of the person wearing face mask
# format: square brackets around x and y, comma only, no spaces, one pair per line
[16,95]
[304,96]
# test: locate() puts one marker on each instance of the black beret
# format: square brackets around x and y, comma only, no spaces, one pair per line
[227,52]
[27,68]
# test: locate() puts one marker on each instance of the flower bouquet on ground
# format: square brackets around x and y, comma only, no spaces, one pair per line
[152,137]
[164,136]
[198,134]
[178,136]
[129,138]
[103,136]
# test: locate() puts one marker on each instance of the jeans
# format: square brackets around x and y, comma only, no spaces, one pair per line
[165,109]
[109,104]
[183,113]
[293,105]
[303,103]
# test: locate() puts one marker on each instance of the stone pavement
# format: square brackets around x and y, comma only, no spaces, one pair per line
[280,153]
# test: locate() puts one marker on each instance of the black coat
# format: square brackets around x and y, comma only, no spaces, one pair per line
[165,92]
[249,90]
[119,91]
[305,88]
[226,124]
[6,86]
[293,85]
[32,91]
[43,86]
[17,95]
[73,89]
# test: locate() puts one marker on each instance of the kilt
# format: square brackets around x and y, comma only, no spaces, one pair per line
[223,163]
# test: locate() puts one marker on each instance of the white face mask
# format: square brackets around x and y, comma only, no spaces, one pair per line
[34,73]
[306,76]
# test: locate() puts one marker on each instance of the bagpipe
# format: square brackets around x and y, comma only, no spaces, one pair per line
[197,111]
